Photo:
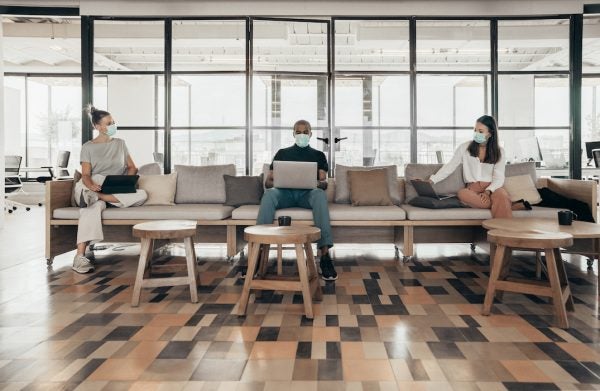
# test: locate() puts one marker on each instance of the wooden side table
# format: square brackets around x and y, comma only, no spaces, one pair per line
[586,236]
[165,229]
[549,242]
[266,235]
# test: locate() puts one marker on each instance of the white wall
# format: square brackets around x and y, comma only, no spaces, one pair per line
[331,7]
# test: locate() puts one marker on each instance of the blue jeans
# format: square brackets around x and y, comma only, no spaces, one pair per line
[315,199]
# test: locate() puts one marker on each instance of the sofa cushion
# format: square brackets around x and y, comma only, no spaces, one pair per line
[160,188]
[525,168]
[202,184]
[150,169]
[342,187]
[337,212]
[416,213]
[250,212]
[369,188]
[450,185]
[243,190]
[434,203]
[522,187]
[182,211]
[76,178]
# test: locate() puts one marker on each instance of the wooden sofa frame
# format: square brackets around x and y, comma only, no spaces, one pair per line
[61,234]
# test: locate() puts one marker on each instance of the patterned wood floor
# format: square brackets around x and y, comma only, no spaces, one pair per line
[382,326]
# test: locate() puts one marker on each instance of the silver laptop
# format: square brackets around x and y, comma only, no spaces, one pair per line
[294,175]
[425,189]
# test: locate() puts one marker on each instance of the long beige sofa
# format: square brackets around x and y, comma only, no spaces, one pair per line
[403,225]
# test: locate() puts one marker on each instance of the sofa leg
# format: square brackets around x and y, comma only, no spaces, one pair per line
[473,246]
[49,261]
[396,252]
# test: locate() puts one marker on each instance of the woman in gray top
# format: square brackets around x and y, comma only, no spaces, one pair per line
[102,156]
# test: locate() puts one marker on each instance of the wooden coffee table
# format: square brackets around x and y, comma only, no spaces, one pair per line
[165,229]
[260,238]
[586,236]
[557,287]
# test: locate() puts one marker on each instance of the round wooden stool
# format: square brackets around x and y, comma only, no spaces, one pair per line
[266,235]
[165,229]
[549,242]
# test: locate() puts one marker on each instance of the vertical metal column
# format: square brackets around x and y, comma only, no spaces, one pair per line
[494,63]
[248,96]
[168,58]
[87,77]
[412,42]
[575,75]
[331,94]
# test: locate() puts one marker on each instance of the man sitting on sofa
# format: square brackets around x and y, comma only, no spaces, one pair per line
[314,199]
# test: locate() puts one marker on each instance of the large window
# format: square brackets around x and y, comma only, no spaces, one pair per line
[448,101]
[208,93]
[534,106]
[289,83]
[129,83]
[42,89]
[228,90]
[372,93]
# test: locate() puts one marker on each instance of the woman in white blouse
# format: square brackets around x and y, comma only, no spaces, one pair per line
[483,165]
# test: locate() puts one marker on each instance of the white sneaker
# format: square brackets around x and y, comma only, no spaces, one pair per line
[82,265]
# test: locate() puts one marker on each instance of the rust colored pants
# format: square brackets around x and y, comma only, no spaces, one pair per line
[474,196]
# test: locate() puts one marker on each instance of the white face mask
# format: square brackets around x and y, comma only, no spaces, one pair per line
[302,140]
[111,130]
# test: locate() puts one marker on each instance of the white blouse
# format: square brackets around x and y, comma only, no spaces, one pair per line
[473,169]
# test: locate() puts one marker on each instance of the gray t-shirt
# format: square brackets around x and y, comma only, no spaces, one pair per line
[106,158]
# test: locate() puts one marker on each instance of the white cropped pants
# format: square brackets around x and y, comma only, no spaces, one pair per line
[90,218]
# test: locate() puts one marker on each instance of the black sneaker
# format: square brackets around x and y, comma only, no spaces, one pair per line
[328,272]
[244,269]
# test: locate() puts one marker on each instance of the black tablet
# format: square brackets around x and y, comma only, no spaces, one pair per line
[119,184]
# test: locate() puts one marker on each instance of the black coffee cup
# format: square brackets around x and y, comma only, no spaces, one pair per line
[284,221]
[565,217]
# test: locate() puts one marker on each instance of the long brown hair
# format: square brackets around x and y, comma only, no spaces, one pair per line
[492,151]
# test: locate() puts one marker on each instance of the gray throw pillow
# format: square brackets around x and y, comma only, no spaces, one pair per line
[525,168]
[342,188]
[434,203]
[450,185]
[202,184]
[243,190]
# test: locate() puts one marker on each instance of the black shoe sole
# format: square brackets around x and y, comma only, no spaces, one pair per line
[329,278]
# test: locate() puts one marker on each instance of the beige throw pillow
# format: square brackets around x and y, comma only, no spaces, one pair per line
[521,187]
[369,188]
[160,188]
[342,190]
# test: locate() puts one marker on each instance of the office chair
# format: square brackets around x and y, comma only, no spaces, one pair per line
[60,171]
[596,157]
[439,156]
[158,157]
[12,182]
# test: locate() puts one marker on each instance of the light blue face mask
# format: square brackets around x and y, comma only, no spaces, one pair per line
[479,138]
[111,130]
[302,140]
